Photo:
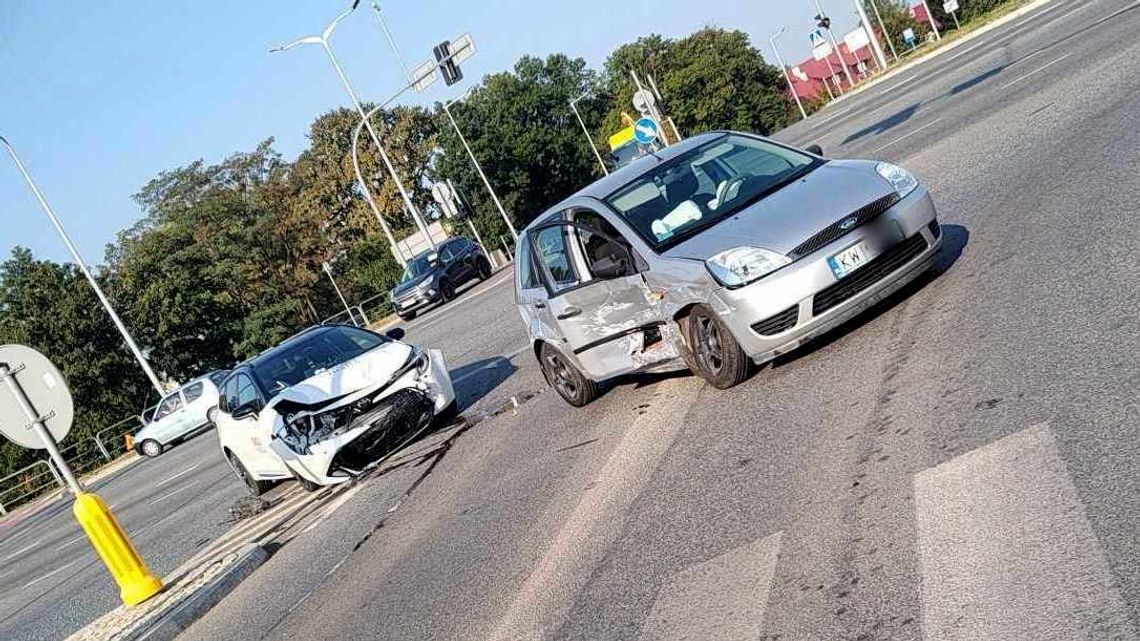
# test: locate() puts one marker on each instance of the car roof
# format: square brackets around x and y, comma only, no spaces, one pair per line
[607,185]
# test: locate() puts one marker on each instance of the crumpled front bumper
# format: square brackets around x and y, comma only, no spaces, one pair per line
[325,463]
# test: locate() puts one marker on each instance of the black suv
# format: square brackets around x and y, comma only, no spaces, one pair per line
[433,276]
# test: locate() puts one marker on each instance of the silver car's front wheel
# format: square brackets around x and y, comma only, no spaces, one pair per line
[717,357]
[150,448]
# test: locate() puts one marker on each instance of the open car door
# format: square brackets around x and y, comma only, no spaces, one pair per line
[598,302]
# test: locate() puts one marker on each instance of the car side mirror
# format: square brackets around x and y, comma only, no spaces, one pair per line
[396,333]
[814,149]
[244,411]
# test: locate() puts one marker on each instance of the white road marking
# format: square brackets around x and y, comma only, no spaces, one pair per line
[905,136]
[171,478]
[1035,71]
[833,116]
[585,536]
[899,84]
[723,598]
[70,541]
[173,492]
[22,550]
[969,49]
[1006,550]
[48,575]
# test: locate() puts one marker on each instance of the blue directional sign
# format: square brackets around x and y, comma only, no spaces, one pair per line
[646,131]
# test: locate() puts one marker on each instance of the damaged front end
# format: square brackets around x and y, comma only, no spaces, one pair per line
[333,440]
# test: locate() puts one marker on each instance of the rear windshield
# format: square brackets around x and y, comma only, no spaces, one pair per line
[706,184]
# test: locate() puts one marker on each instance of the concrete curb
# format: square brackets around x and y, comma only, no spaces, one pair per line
[179,616]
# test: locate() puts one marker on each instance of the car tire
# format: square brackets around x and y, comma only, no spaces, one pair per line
[446,292]
[256,488]
[150,448]
[717,357]
[483,269]
[572,385]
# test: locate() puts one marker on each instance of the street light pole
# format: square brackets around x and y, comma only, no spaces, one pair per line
[391,41]
[574,108]
[835,45]
[343,301]
[86,272]
[368,192]
[880,57]
[883,26]
[323,40]
[930,17]
[784,68]
[478,167]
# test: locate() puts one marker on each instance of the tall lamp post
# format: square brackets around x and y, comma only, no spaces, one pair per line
[883,26]
[86,272]
[323,41]
[475,161]
[574,107]
[784,68]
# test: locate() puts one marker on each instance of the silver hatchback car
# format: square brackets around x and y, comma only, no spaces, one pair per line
[723,249]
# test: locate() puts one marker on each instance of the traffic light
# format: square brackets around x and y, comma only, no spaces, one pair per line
[823,21]
[447,67]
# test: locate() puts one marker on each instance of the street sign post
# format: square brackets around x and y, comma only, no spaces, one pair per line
[909,37]
[951,7]
[646,130]
[36,411]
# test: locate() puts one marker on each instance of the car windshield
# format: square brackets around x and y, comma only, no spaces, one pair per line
[419,266]
[311,354]
[708,183]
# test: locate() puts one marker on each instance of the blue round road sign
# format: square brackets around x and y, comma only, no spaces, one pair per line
[645,131]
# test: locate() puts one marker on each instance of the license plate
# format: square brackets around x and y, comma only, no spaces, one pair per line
[849,259]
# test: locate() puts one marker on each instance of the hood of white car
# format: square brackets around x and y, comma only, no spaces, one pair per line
[369,370]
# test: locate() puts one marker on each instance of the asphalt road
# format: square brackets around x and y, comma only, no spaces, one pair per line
[958,463]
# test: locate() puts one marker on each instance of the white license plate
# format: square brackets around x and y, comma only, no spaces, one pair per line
[849,259]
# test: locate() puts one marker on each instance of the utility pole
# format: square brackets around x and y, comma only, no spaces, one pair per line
[478,167]
[86,272]
[574,108]
[880,57]
[328,270]
[784,68]
[883,27]
[930,17]
[827,27]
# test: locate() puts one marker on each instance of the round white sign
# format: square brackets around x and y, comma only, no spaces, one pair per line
[45,389]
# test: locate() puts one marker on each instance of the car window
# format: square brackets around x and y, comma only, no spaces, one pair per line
[228,399]
[217,377]
[554,255]
[597,246]
[446,253]
[528,275]
[168,406]
[193,391]
[246,391]
[678,198]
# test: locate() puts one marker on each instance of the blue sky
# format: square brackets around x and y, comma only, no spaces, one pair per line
[99,97]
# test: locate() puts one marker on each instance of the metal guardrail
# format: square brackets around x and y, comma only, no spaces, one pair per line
[27,483]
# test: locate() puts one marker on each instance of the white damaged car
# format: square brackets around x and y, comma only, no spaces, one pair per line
[327,405]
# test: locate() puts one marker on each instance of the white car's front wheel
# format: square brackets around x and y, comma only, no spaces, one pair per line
[256,487]
[150,448]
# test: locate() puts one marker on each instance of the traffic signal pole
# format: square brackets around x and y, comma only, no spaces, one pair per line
[825,22]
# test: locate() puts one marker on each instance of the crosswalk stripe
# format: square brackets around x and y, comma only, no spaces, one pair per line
[723,598]
[1007,552]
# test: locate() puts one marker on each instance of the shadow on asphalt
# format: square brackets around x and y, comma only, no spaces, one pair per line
[886,124]
[954,240]
[976,80]
[479,378]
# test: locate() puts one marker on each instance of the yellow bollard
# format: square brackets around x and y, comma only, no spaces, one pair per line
[136,583]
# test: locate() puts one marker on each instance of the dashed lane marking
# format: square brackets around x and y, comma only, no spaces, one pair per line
[171,478]
[49,575]
[905,136]
[22,550]
[173,492]
[1035,71]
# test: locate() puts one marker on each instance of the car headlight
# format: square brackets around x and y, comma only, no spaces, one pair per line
[902,180]
[742,265]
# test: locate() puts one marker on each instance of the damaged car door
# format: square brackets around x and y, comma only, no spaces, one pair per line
[597,300]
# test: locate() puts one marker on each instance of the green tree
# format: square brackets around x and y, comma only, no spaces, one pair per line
[897,19]
[52,308]
[521,129]
[711,79]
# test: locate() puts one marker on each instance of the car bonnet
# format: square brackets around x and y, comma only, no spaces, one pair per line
[343,383]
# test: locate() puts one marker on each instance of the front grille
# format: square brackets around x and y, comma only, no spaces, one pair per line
[407,411]
[781,322]
[862,216]
[868,274]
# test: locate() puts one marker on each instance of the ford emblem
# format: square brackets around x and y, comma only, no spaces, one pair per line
[847,224]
